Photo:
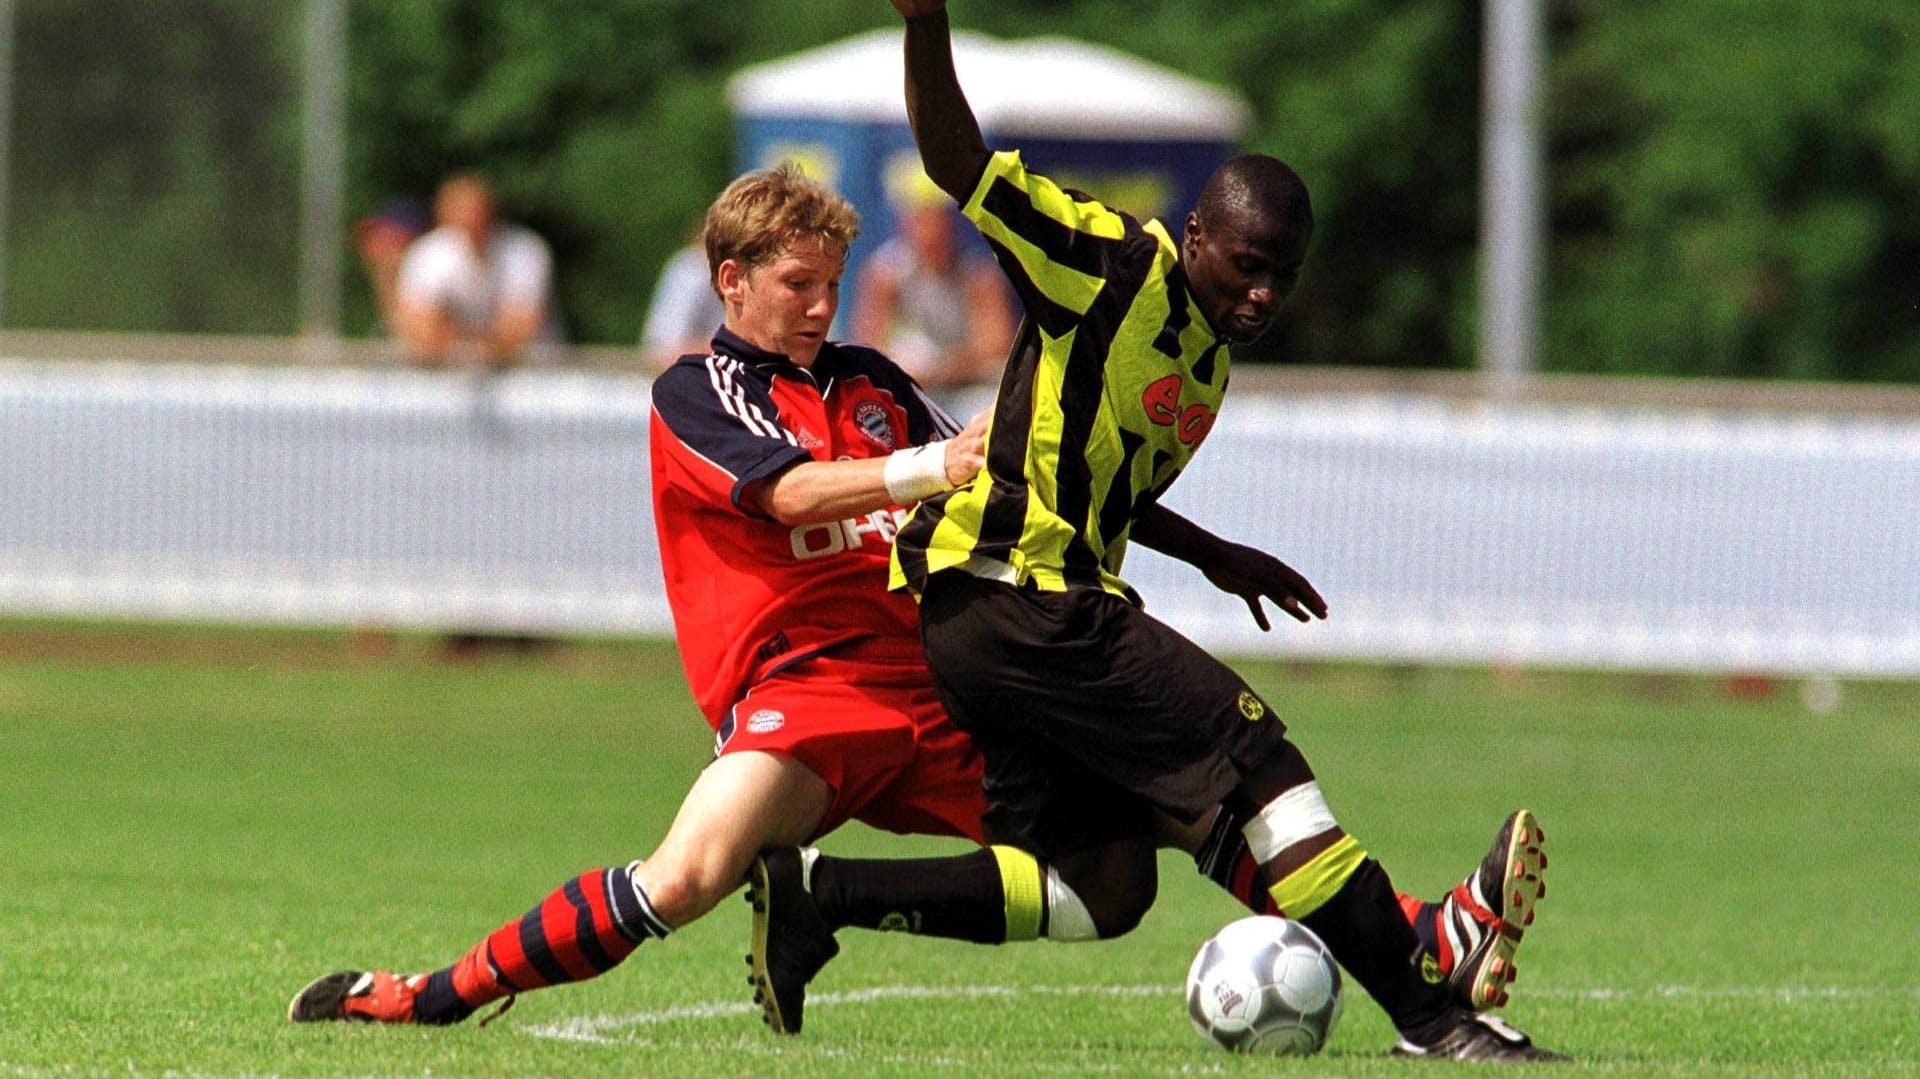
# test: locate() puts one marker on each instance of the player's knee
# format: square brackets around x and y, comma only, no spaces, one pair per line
[1116,889]
[1117,915]
[682,891]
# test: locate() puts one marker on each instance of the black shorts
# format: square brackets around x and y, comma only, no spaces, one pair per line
[1090,714]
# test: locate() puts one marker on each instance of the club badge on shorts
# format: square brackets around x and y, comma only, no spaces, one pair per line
[765,720]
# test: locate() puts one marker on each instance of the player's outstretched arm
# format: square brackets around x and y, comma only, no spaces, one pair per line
[951,147]
[1233,568]
[815,492]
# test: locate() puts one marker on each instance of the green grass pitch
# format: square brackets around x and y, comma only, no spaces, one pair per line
[193,823]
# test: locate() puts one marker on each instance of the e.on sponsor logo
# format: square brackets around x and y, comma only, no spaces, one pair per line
[1162,403]
[833,537]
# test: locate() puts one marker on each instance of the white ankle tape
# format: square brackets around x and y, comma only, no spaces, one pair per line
[1067,917]
[1296,815]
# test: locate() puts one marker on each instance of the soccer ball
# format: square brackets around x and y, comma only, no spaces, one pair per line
[1264,985]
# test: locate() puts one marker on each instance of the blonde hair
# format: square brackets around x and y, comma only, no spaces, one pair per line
[763,214]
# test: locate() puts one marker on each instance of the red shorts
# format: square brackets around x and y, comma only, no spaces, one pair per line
[876,733]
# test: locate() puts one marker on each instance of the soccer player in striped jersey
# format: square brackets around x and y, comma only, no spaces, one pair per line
[1092,716]
[781,463]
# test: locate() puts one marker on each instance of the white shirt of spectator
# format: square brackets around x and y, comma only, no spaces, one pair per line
[684,307]
[443,270]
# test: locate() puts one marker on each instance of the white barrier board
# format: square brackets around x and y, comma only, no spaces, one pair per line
[1439,531]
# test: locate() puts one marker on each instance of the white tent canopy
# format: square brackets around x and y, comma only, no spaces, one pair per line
[1047,87]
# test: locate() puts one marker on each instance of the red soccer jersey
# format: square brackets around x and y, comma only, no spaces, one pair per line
[750,595]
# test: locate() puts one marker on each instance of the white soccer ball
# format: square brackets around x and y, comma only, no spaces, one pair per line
[1264,985]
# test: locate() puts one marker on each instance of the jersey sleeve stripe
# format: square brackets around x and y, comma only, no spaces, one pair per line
[1061,235]
[733,398]
[1055,319]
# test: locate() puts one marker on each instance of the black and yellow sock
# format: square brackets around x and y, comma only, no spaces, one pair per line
[988,897]
[1346,898]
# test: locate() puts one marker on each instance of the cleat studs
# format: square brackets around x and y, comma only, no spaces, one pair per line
[1543,859]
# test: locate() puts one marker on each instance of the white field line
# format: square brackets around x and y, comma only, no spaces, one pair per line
[601,1028]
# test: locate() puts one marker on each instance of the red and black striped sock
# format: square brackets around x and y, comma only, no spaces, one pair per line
[584,929]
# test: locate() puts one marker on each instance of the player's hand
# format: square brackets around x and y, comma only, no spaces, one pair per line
[967,451]
[1252,575]
[913,9]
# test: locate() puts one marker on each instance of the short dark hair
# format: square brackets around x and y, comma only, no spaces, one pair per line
[1260,184]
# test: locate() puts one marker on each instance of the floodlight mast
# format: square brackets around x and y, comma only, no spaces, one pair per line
[6,139]
[1512,218]
[323,177]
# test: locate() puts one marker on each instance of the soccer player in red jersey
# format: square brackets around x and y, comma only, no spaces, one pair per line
[782,465]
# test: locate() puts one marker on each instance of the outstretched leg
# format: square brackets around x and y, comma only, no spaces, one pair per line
[741,803]
[1320,876]
[998,895]
[1470,934]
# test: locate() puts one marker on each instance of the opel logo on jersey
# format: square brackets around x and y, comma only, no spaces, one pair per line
[833,537]
[766,719]
[871,418]
[1251,707]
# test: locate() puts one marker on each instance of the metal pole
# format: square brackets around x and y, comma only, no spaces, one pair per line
[6,140]
[323,178]
[1512,221]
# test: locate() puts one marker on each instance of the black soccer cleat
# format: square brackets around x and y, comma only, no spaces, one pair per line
[1477,1038]
[1483,918]
[791,941]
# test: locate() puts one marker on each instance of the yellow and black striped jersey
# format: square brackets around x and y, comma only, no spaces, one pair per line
[1114,381]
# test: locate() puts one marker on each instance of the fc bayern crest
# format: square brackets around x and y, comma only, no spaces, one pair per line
[871,417]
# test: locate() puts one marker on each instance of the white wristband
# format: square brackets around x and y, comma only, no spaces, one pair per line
[921,472]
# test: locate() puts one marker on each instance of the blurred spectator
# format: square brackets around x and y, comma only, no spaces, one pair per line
[931,304]
[381,240]
[475,289]
[684,311]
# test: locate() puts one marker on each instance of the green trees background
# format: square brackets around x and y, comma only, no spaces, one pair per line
[1735,183]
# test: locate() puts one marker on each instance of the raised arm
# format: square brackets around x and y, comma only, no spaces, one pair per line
[951,147]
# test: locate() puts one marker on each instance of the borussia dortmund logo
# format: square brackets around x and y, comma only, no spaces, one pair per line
[1251,707]
[1429,969]
[894,922]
